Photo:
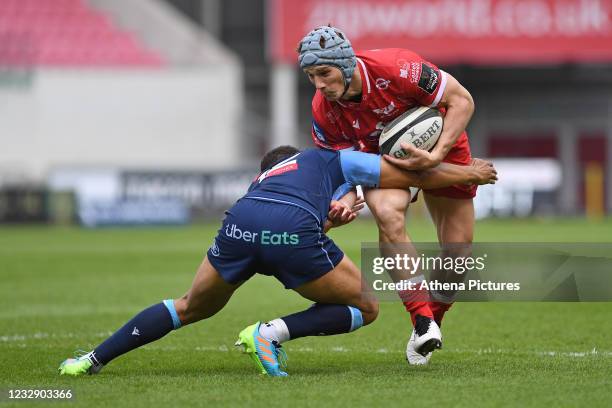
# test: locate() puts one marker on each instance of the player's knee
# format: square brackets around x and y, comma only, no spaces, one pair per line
[391,223]
[463,237]
[457,250]
[458,242]
[369,311]
[455,228]
[389,209]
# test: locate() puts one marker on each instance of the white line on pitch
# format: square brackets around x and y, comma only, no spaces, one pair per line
[21,338]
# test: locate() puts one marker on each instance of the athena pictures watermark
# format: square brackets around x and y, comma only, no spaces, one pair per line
[488,271]
[471,284]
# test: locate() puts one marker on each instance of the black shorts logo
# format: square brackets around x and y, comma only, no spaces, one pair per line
[429,79]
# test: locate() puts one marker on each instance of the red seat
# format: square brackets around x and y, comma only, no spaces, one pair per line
[66,33]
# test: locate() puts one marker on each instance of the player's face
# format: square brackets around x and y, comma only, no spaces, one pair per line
[327,79]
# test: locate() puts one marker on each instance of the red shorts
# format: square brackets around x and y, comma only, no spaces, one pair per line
[459,154]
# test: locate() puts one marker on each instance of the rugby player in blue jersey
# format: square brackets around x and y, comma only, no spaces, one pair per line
[278,228]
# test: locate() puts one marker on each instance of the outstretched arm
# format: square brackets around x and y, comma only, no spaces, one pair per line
[387,172]
[443,175]
[393,173]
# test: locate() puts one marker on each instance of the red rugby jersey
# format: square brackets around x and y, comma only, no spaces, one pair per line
[393,81]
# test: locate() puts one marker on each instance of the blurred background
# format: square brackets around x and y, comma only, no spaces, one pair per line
[157,111]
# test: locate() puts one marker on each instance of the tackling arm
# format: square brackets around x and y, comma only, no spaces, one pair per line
[443,175]
[371,170]
[394,172]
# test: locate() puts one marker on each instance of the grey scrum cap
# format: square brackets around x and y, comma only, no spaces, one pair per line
[327,45]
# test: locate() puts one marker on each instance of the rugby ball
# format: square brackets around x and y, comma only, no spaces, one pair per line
[420,126]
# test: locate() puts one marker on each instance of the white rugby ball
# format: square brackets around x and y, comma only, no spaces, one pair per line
[420,126]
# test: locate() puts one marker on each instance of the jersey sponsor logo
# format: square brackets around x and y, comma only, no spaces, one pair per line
[428,79]
[382,83]
[232,231]
[268,238]
[279,169]
[263,237]
[404,68]
[386,111]
[409,70]
[415,72]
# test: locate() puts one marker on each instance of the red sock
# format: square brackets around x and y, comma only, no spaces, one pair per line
[416,303]
[438,309]
[418,308]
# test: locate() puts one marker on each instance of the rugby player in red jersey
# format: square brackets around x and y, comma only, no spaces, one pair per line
[356,95]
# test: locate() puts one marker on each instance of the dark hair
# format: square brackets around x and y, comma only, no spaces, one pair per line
[277,155]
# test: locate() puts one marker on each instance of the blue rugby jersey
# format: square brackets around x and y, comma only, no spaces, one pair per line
[309,179]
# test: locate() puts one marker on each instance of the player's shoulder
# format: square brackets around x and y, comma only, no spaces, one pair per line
[319,158]
[317,153]
[387,58]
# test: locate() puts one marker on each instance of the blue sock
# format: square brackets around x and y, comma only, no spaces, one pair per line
[149,325]
[322,320]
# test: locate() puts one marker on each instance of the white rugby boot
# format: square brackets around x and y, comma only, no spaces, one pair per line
[412,356]
[426,337]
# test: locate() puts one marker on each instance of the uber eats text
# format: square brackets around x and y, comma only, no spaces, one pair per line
[263,237]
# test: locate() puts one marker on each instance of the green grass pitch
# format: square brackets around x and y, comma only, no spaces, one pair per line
[68,288]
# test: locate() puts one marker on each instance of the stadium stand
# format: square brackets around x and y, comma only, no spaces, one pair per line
[113,85]
[67,33]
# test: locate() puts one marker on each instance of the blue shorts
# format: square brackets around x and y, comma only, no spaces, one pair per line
[273,239]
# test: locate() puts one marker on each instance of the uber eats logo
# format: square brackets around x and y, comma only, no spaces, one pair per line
[264,237]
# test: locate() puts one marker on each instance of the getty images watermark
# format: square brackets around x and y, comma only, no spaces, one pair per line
[414,264]
[489,271]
